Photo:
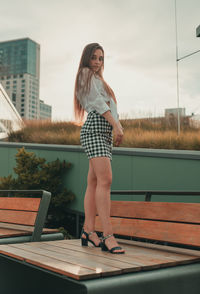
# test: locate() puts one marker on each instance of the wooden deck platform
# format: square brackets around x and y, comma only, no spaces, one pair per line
[69,258]
[13,230]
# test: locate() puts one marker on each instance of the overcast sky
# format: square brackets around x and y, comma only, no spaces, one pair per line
[138,37]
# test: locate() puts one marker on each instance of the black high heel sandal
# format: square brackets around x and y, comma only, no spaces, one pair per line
[84,241]
[112,250]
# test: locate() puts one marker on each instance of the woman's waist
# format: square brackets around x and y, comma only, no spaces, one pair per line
[96,123]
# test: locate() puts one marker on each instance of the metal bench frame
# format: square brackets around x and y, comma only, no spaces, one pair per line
[40,219]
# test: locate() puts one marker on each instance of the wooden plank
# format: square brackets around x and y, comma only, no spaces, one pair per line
[69,258]
[178,212]
[143,256]
[173,258]
[165,248]
[85,254]
[163,231]
[25,228]
[16,203]
[48,263]
[141,261]
[148,248]
[76,258]
[5,233]
[18,217]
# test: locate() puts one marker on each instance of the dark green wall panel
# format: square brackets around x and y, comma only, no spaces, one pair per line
[132,169]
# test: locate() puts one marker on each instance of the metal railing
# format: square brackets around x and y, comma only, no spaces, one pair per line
[149,193]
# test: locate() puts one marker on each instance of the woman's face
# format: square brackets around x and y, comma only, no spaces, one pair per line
[96,60]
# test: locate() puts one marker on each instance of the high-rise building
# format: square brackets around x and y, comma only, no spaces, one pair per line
[10,120]
[20,75]
[45,110]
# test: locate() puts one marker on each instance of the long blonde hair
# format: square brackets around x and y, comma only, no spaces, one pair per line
[88,51]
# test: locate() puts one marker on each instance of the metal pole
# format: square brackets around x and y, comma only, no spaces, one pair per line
[177,74]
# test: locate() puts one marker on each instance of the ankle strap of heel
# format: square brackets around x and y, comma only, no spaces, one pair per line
[87,234]
[106,237]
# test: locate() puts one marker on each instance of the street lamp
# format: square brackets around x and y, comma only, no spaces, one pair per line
[177,68]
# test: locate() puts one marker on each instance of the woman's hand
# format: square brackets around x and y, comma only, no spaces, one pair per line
[117,128]
[118,133]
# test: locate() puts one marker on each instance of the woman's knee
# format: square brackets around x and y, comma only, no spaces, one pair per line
[105,181]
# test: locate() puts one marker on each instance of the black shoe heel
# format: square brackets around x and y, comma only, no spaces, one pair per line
[84,241]
[104,247]
[112,250]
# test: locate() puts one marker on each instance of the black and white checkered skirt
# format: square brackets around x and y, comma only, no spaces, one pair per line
[96,136]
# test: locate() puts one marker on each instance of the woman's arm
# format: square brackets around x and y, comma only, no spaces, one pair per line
[117,128]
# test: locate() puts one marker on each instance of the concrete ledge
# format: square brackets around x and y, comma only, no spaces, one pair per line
[164,153]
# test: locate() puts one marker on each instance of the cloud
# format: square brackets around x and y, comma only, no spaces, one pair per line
[139,41]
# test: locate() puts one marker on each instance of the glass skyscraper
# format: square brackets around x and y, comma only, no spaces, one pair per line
[20,75]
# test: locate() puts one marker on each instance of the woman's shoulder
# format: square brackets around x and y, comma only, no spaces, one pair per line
[85,70]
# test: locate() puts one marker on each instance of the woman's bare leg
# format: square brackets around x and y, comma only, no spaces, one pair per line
[90,205]
[103,173]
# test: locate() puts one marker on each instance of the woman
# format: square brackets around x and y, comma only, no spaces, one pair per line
[93,95]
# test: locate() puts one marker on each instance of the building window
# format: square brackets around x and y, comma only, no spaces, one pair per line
[8,82]
[23,81]
[15,76]
[22,95]
[22,90]
[14,82]
[8,77]
[14,87]
[22,114]
[21,76]
[22,110]
[22,105]
[2,78]
[13,96]
[22,100]
[7,87]
[23,86]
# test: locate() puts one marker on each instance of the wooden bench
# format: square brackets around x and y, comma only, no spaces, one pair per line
[22,219]
[165,222]
[66,267]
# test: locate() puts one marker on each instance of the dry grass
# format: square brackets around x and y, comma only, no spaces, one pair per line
[139,133]
[161,139]
[47,132]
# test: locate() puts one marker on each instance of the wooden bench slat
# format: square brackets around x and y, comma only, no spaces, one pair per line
[18,217]
[25,228]
[5,233]
[143,261]
[15,203]
[161,248]
[85,263]
[132,260]
[79,259]
[188,234]
[179,212]
[84,252]
[48,263]
[144,249]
